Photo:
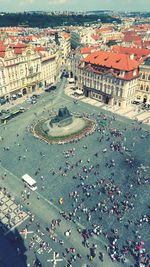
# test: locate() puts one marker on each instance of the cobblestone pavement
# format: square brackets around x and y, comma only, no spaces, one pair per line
[11,213]
[103,180]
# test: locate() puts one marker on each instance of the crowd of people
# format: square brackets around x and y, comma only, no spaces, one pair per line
[105,205]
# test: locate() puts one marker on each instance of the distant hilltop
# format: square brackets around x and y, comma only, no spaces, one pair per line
[43,19]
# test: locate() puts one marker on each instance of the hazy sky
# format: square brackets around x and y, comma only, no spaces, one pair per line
[74,5]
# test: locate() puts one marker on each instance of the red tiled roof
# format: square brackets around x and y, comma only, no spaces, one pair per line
[86,50]
[1,42]
[146,44]
[112,60]
[95,37]
[13,38]
[2,54]
[108,29]
[141,27]
[39,48]
[2,47]
[130,32]
[18,45]
[132,38]
[138,52]
[18,51]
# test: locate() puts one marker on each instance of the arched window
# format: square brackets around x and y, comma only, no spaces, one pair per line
[147,88]
[141,87]
[117,90]
[121,92]
[143,76]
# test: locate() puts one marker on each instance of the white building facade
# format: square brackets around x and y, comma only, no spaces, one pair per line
[107,77]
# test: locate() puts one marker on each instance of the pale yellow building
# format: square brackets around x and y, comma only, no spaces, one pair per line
[24,69]
[65,46]
[143,92]
[19,72]
[48,65]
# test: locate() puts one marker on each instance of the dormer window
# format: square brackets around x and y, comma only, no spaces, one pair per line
[83,64]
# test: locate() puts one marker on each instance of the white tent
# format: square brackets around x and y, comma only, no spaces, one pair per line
[79,92]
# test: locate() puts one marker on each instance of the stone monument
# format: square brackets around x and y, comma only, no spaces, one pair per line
[63,118]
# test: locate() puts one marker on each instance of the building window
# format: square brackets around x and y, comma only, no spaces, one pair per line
[121,92]
[117,89]
[147,88]
[141,87]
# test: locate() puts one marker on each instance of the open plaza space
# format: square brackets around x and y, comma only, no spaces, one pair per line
[91,206]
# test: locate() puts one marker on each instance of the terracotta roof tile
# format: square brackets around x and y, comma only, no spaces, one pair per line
[40,48]
[2,48]
[138,52]
[2,54]
[95,37]
[18,51]
[100,30]
[86,50]
[112,60]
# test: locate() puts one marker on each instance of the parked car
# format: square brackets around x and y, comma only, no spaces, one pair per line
[136,102]
[2,101]
[5,111]
[51,88]
[22,109]
[13,97]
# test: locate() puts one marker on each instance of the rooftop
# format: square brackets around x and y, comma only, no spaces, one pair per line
[86,50]
[139,53]
[112,60]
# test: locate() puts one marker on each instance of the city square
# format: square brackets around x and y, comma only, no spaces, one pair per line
[91,207]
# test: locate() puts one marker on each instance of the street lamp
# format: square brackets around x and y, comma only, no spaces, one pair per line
[25,232]
[55,259]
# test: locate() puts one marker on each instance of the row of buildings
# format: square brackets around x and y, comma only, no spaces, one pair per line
[125,34]
[116,75]
[26,67]
[112,64]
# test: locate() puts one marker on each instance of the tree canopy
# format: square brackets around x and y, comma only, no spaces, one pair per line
[54,20]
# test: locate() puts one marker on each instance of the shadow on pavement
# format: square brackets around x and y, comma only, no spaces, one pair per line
[12,248]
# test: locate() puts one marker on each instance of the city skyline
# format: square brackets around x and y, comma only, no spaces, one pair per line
[73,5]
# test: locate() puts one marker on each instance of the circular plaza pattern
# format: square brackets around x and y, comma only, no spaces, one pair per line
[79,128]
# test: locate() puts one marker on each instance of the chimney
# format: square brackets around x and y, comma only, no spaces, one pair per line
[132,56]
